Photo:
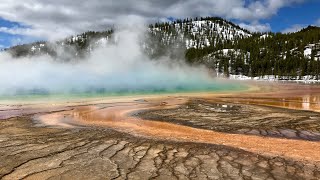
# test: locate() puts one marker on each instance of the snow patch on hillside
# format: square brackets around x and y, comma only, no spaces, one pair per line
[304,79]
[200,34]
[312,48]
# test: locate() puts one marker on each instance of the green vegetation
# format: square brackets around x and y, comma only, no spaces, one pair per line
[219,44]
[276,54]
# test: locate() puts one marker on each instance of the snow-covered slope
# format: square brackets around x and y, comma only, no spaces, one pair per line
[222,46]
[312,50]
[200,33]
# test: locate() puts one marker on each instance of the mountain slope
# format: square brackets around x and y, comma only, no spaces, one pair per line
[199,33]
[217,43]
[287,56]
[185,34]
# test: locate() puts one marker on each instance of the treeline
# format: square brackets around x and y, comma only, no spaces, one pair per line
[200,35]
[215,42]
[270,54]
[79,45]
[83,40]
[217,20]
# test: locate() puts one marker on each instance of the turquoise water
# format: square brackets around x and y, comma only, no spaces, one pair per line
[215,86]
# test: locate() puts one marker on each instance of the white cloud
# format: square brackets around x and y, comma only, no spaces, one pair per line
[294,28]
[317,22]
[298,27]
[256,27]
[52,19]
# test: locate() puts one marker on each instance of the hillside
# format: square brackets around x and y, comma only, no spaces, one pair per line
[199,33]
[185,34]
[75,46]
[287,56]
[219,44]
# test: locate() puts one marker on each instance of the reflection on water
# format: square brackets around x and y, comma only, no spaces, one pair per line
[94,113]
[304,102]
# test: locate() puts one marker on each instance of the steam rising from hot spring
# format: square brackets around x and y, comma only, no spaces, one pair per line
[121,67]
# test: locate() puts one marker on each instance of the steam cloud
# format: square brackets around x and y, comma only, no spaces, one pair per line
[121,67]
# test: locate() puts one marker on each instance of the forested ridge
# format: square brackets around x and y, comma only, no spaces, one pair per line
[294,54]
[219,44]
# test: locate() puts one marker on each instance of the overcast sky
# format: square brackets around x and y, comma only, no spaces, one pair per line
[28,20]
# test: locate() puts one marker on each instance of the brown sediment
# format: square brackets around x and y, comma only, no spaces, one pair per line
[233,118]
[308,102]
[284,95]
[170,150]
[28,152]
[117,117]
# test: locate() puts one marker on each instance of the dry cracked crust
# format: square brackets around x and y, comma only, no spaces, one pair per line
[95,153]
[241,119]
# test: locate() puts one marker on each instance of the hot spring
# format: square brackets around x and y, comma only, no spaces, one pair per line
[118,69]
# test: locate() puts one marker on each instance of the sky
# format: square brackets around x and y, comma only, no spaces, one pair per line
[24,21]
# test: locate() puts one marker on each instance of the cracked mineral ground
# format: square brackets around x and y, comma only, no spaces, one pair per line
[171,137]
[97,153]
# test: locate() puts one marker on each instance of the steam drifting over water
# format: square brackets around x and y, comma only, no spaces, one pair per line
[121,67]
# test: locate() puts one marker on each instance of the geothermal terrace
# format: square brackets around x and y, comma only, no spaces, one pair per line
[271,131]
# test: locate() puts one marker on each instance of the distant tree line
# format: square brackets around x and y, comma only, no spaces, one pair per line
[216,43]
